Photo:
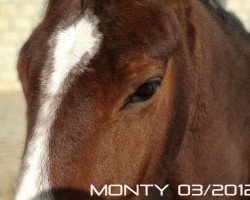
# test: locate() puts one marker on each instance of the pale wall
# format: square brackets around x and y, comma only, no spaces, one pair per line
[241,8]
[17,20]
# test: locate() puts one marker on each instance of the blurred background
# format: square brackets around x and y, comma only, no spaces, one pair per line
[17,20]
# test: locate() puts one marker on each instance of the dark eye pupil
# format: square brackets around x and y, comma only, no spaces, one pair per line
[144,92]
[147,89]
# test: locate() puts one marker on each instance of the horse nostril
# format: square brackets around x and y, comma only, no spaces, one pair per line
[69,194]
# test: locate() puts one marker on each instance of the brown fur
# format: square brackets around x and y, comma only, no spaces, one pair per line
[194,130]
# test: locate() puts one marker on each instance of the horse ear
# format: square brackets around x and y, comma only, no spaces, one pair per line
[23,70]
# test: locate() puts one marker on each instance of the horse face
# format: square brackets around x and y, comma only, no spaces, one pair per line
[100,90]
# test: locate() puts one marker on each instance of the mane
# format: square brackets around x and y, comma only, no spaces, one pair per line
[229,18]
[96,5]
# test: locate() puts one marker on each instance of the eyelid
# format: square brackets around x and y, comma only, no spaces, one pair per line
[155,78]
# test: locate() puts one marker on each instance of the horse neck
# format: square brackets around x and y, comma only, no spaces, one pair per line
[219,64]
[214,76]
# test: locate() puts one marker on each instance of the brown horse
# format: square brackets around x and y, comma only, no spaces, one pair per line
[135,92]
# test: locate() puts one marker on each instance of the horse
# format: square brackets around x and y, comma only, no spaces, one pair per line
[135,92]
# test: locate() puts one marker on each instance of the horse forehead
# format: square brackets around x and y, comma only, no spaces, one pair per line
[72,46]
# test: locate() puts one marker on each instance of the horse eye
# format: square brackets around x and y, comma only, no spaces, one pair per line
[144,92]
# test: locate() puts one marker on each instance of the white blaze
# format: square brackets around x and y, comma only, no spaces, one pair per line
[68,48]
